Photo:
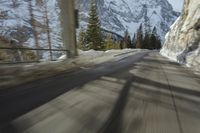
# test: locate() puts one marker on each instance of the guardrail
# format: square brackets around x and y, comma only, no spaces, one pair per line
[29,49]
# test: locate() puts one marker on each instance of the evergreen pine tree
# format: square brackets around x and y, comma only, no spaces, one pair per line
[133,41]
[93,34]
[121,44]
[127,40]
[117,45]
[147,25]
[146,41]
[139,41]
[109,43]
[154,31]
[147,33]
[155,40]
[82,40]
[152,43]
[158,43]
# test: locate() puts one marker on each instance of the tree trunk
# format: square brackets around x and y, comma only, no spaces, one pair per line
[35,34]
[68,26]
[48,31]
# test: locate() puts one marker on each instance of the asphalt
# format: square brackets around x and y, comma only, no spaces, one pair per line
[143,93]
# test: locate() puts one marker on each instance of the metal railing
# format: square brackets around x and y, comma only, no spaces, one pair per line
[30,49]
[39,49]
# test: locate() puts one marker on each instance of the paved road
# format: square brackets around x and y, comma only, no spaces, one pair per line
[139,94]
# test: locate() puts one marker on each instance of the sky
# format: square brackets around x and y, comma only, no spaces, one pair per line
[177,4]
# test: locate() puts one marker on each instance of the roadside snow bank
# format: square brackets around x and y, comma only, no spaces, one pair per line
[95,57]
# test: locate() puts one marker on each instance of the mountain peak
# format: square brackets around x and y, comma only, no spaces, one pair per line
[118,16]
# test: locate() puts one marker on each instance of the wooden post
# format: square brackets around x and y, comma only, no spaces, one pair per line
[68,26]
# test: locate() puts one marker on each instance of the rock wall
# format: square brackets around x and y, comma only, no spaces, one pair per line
[182,42]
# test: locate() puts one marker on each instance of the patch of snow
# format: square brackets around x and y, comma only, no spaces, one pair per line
[63,57]
[97,57]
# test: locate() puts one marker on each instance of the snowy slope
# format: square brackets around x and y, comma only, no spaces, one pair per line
[119,15]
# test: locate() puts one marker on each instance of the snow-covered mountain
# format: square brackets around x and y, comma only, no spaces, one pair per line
[119,15]
[115,15]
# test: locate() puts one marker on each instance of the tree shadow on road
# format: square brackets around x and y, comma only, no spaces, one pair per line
[114,121]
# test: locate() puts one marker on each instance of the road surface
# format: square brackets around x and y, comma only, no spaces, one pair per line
[143,93]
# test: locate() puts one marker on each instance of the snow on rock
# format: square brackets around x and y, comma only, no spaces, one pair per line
[183,40]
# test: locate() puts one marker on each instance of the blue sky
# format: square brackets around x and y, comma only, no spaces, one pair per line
[177,4]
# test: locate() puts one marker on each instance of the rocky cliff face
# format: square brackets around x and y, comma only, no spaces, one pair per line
[119,15]
[183,40]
